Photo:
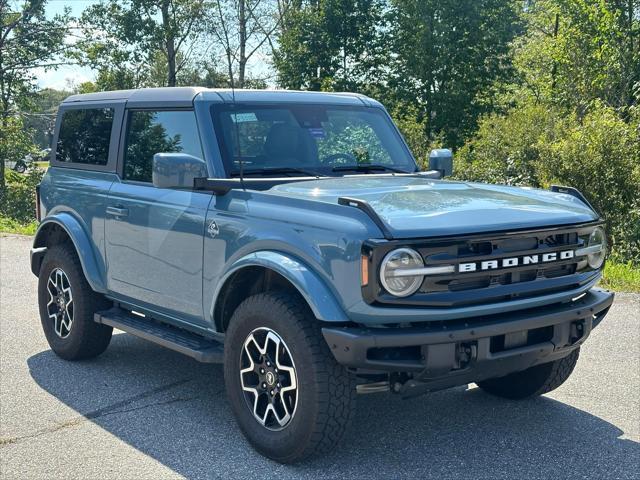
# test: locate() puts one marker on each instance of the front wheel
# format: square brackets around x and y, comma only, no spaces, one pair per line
[533,381]
[289,396]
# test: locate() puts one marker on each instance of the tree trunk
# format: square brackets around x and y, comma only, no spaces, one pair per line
[242,63]
[554,68]
[232,83]
[170,44]
[632,54]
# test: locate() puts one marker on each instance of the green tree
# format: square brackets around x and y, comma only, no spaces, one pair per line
[331,45]
[578,51]
[242,30]
[28,41]
[451,58]
[124,38]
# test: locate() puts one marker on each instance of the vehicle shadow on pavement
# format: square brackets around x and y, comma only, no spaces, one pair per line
[175,410]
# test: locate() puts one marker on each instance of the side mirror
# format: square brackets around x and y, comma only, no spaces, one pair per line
[177,170]
[441,159]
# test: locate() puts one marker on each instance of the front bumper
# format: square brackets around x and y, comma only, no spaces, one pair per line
[459,352]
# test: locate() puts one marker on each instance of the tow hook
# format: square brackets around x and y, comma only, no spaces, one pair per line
[465,353]
[576,332]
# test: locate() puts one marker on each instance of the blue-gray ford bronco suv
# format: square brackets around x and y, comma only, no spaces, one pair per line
[292,237]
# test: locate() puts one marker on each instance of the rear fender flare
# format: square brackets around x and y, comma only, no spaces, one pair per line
[92,266]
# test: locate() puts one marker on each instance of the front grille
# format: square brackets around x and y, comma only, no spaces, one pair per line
[494,285]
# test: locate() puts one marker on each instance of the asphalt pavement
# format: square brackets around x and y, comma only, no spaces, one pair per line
[140,411]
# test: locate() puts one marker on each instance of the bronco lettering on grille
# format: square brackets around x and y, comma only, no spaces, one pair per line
[515,261]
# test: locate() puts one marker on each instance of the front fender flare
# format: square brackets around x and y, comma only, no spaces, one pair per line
[92,267]
[318,296]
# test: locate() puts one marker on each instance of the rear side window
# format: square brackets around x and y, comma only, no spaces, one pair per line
[84,136]
[152,132]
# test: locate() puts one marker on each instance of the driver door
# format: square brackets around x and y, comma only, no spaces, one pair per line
[154,236]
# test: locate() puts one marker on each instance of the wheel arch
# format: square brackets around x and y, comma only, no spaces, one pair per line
[64,228]
[269,271]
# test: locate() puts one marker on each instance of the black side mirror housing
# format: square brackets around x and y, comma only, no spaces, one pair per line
[441,160]
[177,170]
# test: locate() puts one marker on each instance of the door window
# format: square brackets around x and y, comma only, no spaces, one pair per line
[152,132]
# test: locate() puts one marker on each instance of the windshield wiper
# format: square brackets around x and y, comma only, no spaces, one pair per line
[366,167]
[278,170]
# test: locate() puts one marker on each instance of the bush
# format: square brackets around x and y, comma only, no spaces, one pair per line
[506,148]
[537,145]
[18,197]
[600,156]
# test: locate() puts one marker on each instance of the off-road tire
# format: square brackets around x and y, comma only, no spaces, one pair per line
[533,381]
[326,392]
[86,338]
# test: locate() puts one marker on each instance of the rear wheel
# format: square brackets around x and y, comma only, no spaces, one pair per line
[533,381]
[289,396]
[67,305]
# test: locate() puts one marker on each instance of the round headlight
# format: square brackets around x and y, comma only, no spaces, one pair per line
[597,239]
[397,272]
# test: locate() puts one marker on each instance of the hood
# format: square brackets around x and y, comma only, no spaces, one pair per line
[418,207]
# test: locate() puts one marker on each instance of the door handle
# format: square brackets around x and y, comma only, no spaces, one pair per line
[117,212]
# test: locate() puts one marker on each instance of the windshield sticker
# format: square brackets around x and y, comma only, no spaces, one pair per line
[317,132]
[244,117]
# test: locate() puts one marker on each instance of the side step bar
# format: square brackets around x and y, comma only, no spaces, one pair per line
[196,346]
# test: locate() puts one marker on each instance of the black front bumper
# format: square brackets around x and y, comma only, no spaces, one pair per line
[455,353]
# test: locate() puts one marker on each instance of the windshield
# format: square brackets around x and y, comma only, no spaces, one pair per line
[308,140]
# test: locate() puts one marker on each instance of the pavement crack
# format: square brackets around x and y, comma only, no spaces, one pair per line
[155,404]
[113,409]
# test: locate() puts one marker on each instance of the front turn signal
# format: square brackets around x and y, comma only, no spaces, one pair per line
[364,270]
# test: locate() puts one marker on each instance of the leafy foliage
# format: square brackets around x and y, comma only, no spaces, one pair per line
[15,139]
[127,37]
[331,44]
[18,200]
[451,58]
[578,51]
[28,40]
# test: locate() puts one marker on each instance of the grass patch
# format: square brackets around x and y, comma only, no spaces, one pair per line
[43,165]
[622,277]
[8,225]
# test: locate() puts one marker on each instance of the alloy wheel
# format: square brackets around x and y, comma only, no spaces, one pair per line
[268,378]
[60,306]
